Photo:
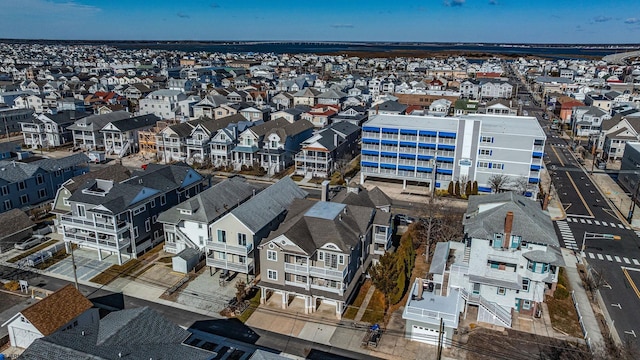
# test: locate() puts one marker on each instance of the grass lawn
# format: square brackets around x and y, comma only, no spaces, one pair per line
[57,257]
[561,310]
[115,271]
[297,177]
[352,309]
[32,251]
[254,302]
[375,311]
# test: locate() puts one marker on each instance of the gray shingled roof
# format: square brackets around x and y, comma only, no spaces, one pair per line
[212,203]
[137,122]
[529,221]
[260,210]
[97,122]
[15,171]
[136,334]
[13,221]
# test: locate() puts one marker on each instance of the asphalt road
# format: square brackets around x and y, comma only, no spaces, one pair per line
[589,216]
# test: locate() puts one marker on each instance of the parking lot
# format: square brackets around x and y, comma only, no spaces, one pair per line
[87,265]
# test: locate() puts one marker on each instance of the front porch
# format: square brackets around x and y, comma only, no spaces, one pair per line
[307,304]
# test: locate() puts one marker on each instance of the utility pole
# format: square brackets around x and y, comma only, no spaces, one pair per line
[440,328]
[73,263]
[632,208]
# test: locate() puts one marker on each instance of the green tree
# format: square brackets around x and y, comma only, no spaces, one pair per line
[384,276]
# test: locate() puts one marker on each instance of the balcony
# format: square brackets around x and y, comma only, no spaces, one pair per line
[232,249]
[91,241]
[170,248]
[230,265]
[196,142]
[320,284]
[328,273]
[101,226]
[381,238]
[300,269]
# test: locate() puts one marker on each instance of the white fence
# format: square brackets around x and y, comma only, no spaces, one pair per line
[587,339]
[40,256]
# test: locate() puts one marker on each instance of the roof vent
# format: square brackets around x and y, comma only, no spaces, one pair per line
[82,333]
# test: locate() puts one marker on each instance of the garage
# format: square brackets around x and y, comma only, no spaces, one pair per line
[22,338]
[425,335]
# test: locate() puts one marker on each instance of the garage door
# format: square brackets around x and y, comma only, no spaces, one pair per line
[425,335]
[24,338]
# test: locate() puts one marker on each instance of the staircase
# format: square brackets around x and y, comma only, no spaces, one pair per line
[109,150]
[467,255]
[499,313]
[182,236]
[124,149]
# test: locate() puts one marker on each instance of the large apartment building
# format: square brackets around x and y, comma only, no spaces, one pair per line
[427,150]
[120,218]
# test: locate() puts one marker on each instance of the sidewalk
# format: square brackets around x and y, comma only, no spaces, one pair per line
[589,322]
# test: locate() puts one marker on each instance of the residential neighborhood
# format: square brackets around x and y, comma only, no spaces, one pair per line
[161,203]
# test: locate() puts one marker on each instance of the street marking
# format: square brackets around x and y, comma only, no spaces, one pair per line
[605,224]
[633,285]
[600,257]
[626,260]
[635,262]
[582,221]
[617,258]
[609,257]
[592,256]
[589,222]
[631,333]
[579,194]
[617,305]
[597,222]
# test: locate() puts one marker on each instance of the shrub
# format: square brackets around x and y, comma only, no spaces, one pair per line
[12,286]
[561,293]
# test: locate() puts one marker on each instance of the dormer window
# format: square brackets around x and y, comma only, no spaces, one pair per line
[185,212]
[497,240]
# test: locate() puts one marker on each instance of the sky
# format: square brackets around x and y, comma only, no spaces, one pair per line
[499,21]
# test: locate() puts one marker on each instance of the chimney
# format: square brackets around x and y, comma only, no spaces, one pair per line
[335,139]
[325,191]
[508,226]
[420,289]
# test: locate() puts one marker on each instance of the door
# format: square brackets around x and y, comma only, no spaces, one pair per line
[426,335]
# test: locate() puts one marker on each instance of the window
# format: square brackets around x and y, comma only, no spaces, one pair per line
[81,211]
[222,236]
[272,274]
[163,199]
[525,284]
[4,190]
[201,239]
[486,152]
[320,255]
[497,240]
[135,232]
[39,179]
[341,259]
[153,203]
[476,288]
[486,139]
[483,165]
[274,144]
[22,185]
[147,225]
[242,239]
[139,210]
[498,166]
[58,173]
[502,291]
[515,241]
[7,204]
[154,219]
[42,193]
[272,255]
[526,304]
[531,265]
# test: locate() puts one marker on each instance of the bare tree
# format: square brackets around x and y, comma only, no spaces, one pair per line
[595,280]
[497,182]
[341,165]
[521,185]
[464,179]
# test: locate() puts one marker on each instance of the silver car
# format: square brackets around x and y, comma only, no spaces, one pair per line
[28,244]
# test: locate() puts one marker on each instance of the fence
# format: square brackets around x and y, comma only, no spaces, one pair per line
[587,339]
[40,256]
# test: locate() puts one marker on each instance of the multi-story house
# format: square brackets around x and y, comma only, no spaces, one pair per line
[587,120]
[281,143]
[121,218]
[320,115]
[23,185]
[470,89]
[292,114]
[236,235]
[508,262]
[319,254]
[599,100]
[356,115]
[162,103]
[33,102]
[616,132]
[499,107]
[564,107]
[10,119]
[435,151]
[491,89]
[440,107]
[121,136]
[198,145]
[251,141]
[47,130]
[307,96]
[188,224]
[86,131]
[320,152]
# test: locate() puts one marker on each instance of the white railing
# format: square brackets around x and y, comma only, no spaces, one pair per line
[382,238]
[124,149]
[296,269]
[92,241]
[235,249]
[197,142]
[185,238]
[430,314]
[229,265]
[328,273]
[494,309]
[338,290]
[170,248]
[91,225]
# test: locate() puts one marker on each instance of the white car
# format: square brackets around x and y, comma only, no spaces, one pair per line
[28,244]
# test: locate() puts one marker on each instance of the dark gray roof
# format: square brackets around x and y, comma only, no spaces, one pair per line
[62,163]
[212,203]
[263,208]
[548,257]
[96,122]
[14,221]
[390,105]
[137,334]
[14,171]
[65,117]
[137,122]
[440,257]
[529,221]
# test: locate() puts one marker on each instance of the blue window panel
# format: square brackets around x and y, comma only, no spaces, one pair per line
[369,152]
[369,164]
[408,132]
[484,189]
[427,146]
[437,184]
[534,180]
[407,156]
[445,171]
[528,194]
[371,128]
[388,166]
[389,130]
[389,142]
[405,167]
[407,143]
[447,134]
[536,167]
[446,147]
[425,157]
[428,133]
[371,141]
[389,154]
[424,169]
[537,154]
[445,159]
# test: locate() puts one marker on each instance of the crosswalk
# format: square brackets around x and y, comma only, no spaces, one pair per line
[599,223]
[567,235]
[618,259]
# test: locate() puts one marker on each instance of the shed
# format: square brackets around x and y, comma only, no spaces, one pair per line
[186,260]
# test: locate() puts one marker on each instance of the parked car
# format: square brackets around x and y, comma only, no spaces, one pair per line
[404,219]
[29,243]
[41,231]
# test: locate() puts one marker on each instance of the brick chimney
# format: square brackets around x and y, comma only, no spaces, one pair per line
[508,226]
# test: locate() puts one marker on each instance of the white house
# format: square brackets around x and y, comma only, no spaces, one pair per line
[162,103]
